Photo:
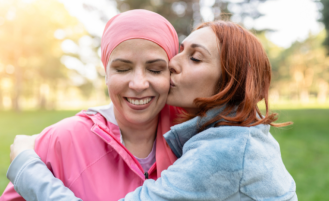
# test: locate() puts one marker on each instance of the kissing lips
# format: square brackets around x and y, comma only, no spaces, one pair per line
[172,84]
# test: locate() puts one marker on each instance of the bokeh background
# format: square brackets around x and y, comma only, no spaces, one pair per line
[50,68]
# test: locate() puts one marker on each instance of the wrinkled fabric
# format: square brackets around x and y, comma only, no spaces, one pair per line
[85,153]
[138,24]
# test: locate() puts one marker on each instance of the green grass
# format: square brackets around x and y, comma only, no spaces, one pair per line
[304,145]
[305,151]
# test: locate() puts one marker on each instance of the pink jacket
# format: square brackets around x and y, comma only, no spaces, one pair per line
[85,152]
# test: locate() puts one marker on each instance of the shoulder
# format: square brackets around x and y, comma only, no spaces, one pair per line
[226,135]
[264,173]
[65,132]
[223,145]
[261,142]
[74,124]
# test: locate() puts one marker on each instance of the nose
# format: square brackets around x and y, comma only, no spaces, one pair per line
[139,82]
[174,65]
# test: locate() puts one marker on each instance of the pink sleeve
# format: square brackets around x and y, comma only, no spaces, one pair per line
[9,193]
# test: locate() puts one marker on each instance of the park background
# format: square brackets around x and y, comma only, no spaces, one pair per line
[50,68]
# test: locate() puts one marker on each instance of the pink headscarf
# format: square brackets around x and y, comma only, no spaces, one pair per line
[138,24]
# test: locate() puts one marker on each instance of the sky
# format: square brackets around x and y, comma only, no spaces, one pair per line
[291,20]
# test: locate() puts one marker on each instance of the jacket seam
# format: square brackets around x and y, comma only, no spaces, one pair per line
[244,155]
[87,168]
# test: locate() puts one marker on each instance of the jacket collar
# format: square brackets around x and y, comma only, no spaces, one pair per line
[181,133]
[103,117]
[106,111]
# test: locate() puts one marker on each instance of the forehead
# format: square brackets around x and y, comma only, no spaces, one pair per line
[138,48]
[204,36]
[133,44]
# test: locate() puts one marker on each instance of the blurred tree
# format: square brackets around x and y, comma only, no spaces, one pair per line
[31,34]
[187,14]
[181,14]
[302,70]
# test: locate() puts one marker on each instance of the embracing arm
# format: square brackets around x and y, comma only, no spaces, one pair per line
[200,174]
[28,170]
[226,163]
[190,178]
[34,181]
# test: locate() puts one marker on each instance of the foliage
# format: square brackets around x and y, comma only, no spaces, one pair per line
[179,13]
[185,15]
[325,20]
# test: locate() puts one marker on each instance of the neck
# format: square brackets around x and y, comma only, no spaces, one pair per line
[138,138]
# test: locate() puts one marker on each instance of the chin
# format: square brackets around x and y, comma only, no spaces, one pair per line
[140,118]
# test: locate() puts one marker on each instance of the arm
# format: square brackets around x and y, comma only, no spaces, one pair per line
[205,171]
[214,166]
[192,177]
[37,182]
[24,143]
[225,163]
[175,184]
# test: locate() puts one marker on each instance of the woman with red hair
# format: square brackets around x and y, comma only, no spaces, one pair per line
[224,148]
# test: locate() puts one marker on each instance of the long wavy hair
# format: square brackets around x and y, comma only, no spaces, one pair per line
[245,80]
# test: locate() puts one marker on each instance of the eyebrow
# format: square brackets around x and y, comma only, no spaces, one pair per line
[197,45]
[148,62]
[123,60]
[155,60]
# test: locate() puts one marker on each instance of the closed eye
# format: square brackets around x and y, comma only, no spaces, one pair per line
[155,71]
[194,59]
[122,71]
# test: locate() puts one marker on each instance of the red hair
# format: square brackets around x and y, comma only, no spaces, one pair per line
[245,79]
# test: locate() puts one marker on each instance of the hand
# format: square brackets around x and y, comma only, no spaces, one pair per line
[21,143]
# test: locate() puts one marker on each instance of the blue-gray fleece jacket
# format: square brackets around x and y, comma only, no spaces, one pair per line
[220,163]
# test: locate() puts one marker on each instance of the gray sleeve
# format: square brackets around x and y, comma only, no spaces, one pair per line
[34,181]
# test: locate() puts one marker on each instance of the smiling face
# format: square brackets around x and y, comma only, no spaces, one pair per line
[137,78]
[195,71]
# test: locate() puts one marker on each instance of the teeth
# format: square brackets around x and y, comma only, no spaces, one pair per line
[139,102]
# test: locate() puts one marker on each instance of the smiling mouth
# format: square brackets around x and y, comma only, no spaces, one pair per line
[139,101]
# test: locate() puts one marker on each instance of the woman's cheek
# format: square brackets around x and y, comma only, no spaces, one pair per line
[164,86]
[115,85]
[161,83]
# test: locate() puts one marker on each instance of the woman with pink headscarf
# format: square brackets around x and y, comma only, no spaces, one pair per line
[105,152]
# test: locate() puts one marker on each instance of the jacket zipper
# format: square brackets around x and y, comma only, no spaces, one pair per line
[146,175]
